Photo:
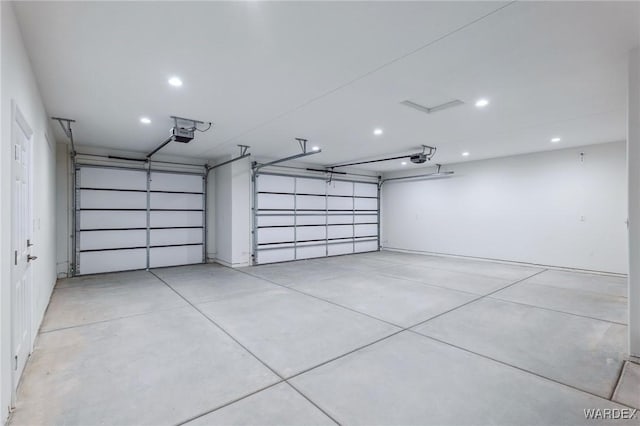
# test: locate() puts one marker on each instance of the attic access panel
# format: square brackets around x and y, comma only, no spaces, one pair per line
[130,219]
[301,217]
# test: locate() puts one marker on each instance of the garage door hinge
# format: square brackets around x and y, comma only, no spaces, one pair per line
[15,362]
[15,257]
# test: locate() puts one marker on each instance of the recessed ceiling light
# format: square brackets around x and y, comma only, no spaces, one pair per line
[145,120]
[377,132]
[555,140]
[481,103]
[465,154]
[404,163]
[175,81]
[315,148]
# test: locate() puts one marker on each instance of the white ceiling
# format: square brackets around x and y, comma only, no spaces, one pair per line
[331,72]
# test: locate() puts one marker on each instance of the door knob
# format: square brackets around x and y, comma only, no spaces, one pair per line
[30,258]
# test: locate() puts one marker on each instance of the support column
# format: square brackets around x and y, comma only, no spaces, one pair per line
[633,170]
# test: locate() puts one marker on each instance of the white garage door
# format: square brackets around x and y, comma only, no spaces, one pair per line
[135,219]
[299,217]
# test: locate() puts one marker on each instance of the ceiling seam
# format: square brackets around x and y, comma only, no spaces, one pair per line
[362,76]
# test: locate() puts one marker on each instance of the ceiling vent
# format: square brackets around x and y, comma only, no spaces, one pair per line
[436,108]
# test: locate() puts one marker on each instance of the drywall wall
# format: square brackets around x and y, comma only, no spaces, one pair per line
[233,213]
[63,206]
[633,167]
[19,86]
[223,217]
[557,208]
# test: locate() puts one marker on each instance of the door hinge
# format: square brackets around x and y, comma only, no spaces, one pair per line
[15,362]
[15,257]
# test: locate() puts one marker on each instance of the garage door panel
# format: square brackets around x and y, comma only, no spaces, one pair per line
[311,252]
[364,246]
[365,189]
[111,178]
[340,203]
[340,231]
[96,240]
[311,186]
[270,183]
[366,230]
[275,255]
[305,233]
[172,256]
[341,248]
[160,237]
[366,204]
[95,262]
[338,187]
[175,218]
[311,220]
[310,202]
[176,182]
[273,235]
[96,199]
[275,202]
[160,200]
[336,219]
[114,219]
[366,218]
[275,220]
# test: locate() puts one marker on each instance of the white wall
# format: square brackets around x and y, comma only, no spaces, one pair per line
[233,213]
[18,84]
[223,215]
[548,208]
[633,156]
[63,206]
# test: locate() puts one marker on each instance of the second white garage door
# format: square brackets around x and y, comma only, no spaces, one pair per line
[297,217]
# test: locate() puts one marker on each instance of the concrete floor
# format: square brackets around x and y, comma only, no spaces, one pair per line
[376,338]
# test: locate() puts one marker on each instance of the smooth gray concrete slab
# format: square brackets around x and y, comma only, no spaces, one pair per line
[585,303]
[505,271]
[288,273]
[153,369]
[209,282]
[601,284]
[356,262]
[578,351]
[401,302]
[292,332]
[88,301]
[628,389]
[279,405]
[409,379]
[103,279]
[471,283]
[396,256]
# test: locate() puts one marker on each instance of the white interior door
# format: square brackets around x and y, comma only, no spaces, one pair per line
[21,238]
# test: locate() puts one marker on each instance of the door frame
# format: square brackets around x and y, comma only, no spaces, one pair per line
[18,120]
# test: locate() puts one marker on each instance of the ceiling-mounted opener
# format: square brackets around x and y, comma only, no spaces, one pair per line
[183,131]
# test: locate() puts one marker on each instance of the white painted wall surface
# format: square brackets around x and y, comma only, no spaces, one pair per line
[63,206]
[241,189]
[546,208]
[19,84]
[223,216]
[633,155]
[233,213]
